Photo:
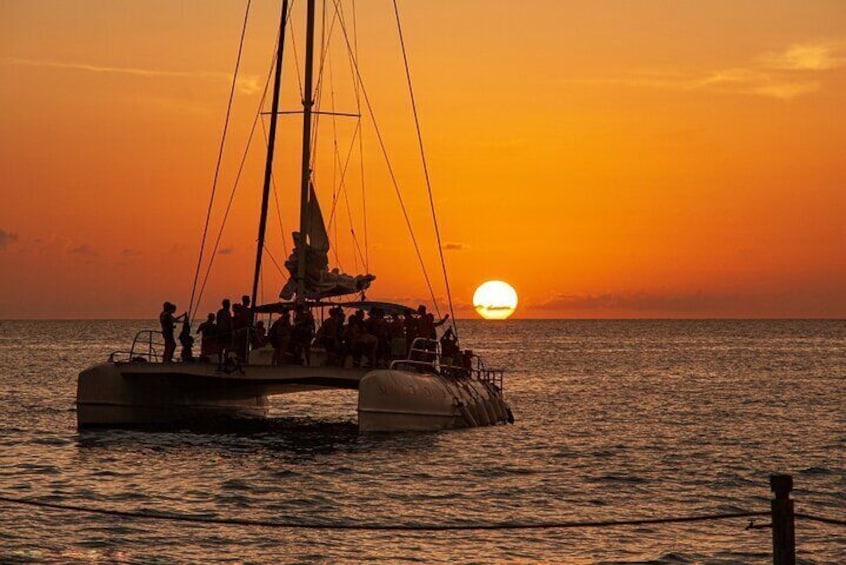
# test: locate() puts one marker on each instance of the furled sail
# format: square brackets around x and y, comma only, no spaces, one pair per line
[320,282]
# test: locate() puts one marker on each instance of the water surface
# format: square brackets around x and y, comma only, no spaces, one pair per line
[615,420]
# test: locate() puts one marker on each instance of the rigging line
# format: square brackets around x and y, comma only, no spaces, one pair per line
[294,47]
[199,519]
[339,11]
[219,161]
[342,184]
[356,246]
[240,170]
[390,169]
[275,196]
[335,157]
[365,256]
[352,231]
[317,93]
[273,260]
[318,89]
[336,162]
[360,143]
[339,8]
[425,168]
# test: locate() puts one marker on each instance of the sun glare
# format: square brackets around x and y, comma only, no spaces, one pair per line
[495,300]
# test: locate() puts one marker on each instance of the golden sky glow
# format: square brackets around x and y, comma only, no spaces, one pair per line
[609,158]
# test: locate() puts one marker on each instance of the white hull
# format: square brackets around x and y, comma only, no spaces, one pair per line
[120,394]
[394,400]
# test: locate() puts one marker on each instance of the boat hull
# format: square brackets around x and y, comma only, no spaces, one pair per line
[138,394]
[394,400]
[133,394]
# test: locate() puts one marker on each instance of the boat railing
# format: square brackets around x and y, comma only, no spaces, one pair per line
[423,349]
[145,347]
[496,377]
[425,355]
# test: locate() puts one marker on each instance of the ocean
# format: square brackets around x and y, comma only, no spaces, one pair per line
[615,420]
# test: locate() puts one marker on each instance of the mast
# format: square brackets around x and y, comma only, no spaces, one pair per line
[271,142]
[308,102]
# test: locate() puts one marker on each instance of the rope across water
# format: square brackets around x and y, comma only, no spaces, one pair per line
[380,527]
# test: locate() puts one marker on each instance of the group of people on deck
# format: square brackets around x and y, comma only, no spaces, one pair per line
[230,332]
[377,339]
[349,340]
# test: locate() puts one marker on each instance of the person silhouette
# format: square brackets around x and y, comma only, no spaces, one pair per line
[224,330]
[168,323]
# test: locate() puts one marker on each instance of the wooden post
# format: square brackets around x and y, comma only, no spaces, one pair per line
[784,538]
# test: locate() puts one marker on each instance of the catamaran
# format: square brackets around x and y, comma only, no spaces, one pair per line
[425,388]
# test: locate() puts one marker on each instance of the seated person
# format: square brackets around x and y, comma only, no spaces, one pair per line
[258,336]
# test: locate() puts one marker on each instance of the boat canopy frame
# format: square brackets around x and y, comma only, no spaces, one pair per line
[365,305]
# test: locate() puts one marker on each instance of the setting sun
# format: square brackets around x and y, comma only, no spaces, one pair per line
[495,300]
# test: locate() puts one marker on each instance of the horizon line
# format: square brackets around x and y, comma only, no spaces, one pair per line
[478,319]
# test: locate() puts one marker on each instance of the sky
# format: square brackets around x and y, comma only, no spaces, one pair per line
[609,159]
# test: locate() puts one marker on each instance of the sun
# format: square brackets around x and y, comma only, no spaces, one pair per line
[495,300]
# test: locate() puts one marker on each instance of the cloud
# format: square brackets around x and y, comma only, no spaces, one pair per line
[493,308]
[454,246]
[7,238]
[783,75]
[646,302]
[226,251]
[83,249]
[245,84]
[807,57]
[756,82]
[130,253]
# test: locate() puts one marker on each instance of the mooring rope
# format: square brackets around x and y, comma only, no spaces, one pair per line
[380,527]
[829,521]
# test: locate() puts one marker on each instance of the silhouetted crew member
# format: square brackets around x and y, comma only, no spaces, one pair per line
[397,331]
[258,336]
[449,348]
[364,343]
[168,323]
[224,330]
[280,337]
[242,322]
[247,312]
[376,326]
[426,325]
[303,334]
[410,327]
[327,337]
[208,342]
[186,340]
[239,332]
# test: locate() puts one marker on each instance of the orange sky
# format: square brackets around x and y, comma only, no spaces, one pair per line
[608,159]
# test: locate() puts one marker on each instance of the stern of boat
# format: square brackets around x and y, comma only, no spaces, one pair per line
[404,400]
[115,394]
